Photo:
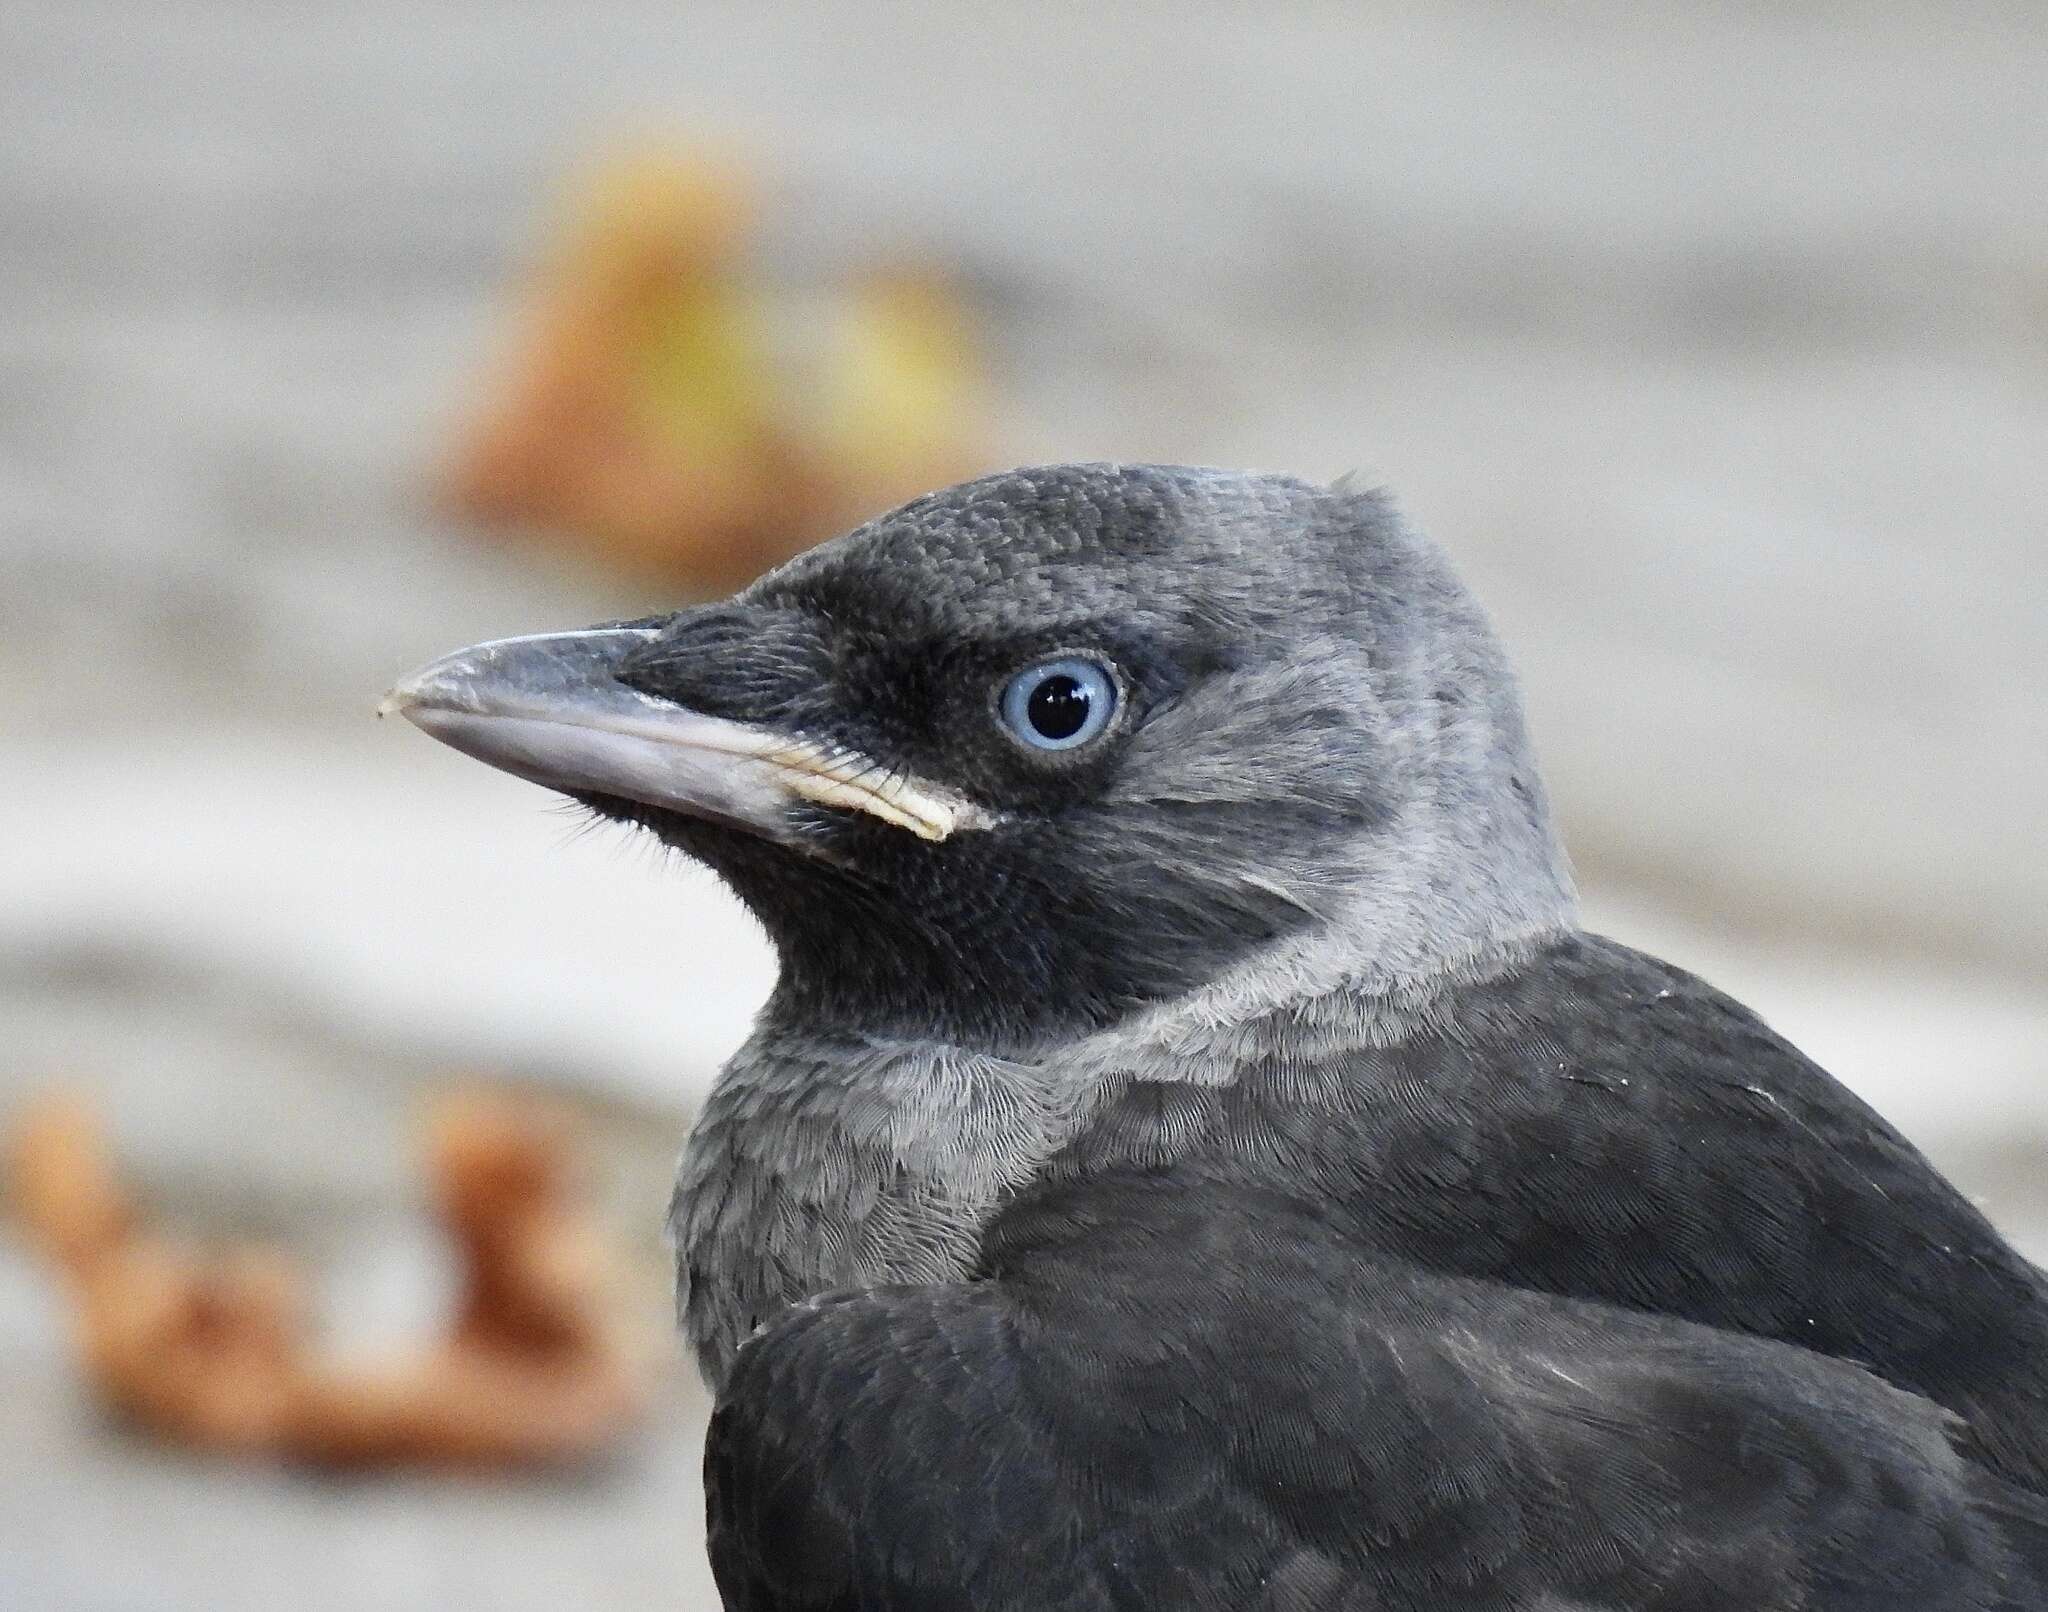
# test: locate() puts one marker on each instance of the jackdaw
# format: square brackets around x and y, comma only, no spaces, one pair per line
[1192,1156]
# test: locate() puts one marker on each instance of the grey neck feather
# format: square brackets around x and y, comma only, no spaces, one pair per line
[822,1161]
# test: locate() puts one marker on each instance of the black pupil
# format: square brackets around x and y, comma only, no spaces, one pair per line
[1059,706]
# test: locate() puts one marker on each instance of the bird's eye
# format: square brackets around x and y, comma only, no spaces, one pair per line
[1059,704]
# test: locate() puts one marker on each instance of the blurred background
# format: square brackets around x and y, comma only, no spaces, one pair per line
[1712,341]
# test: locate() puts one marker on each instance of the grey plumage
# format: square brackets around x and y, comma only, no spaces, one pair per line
[1119,1104]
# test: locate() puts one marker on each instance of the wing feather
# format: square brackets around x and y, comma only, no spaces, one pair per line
[1158,1400]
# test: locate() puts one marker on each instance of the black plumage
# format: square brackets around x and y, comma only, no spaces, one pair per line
[1600,1125]
[1319,1431]
[1193,1158]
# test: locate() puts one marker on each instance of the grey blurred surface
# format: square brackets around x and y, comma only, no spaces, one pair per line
[1713,341]
[97,1523]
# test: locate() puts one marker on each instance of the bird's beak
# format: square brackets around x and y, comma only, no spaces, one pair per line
[549,709]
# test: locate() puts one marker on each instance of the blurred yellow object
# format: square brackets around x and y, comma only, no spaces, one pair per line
[214,1352]
[666,413]
[898,387]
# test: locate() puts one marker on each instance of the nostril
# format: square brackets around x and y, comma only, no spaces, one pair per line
[748,663]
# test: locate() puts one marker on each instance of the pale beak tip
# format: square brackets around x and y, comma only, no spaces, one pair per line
[400,698]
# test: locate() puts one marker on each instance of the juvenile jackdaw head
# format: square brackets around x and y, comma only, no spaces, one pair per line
[1043,749]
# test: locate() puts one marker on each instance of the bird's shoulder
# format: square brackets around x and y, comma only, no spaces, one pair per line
[1152,1397]
[1586,1058]
[1580,1014]
[1600,1124]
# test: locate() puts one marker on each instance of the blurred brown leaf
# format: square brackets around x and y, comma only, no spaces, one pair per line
[664,413]
[538,1368]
